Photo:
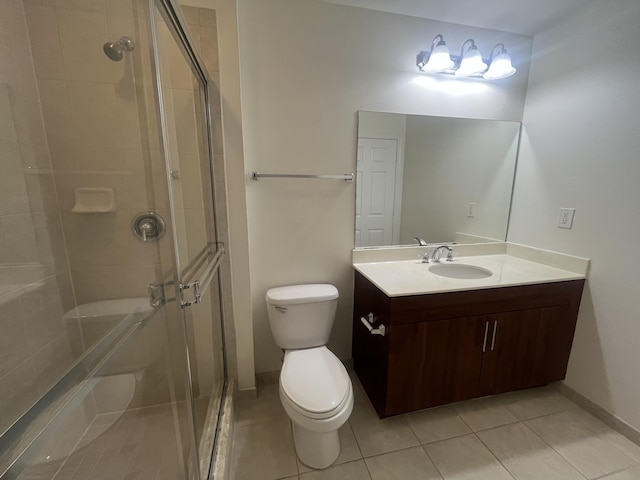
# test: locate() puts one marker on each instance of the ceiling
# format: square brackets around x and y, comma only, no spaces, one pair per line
[526,17]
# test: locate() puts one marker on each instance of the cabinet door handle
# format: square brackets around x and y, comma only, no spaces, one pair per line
[493,340]
[486,331]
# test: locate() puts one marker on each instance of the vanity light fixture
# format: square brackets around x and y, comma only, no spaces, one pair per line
[470,62]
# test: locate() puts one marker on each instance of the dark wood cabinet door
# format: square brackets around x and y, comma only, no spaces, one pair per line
[433,363]
[417,366]
[526,348]
[511,341]
[464,358]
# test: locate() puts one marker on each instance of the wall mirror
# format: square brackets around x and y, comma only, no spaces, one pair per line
[443,179]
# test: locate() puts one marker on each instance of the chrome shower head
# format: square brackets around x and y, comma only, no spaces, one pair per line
[115,51]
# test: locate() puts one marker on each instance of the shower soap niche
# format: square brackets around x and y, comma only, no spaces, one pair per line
[94,200]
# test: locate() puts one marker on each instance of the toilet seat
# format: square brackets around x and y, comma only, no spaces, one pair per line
[314,382]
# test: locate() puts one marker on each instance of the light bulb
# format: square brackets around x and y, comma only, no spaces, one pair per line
[439,59]
[471,64]
[500,68]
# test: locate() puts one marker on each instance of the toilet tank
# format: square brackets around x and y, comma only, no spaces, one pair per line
[301,316]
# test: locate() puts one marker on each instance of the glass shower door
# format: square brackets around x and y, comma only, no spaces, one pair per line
[184,87]
[106,383]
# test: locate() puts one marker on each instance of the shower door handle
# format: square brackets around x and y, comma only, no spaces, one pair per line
[200,286]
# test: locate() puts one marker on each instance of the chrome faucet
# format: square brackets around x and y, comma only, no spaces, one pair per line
[420,241]
[438,252]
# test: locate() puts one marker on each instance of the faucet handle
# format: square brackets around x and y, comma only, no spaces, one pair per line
[450,255]
[424,257]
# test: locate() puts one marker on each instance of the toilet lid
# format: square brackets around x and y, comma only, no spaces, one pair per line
[296,294]
[314,379]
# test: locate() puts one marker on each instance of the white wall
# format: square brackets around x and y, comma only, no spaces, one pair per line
[580,149]
[382,125]
[306,68]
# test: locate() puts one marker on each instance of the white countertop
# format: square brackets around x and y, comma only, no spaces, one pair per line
[412,277]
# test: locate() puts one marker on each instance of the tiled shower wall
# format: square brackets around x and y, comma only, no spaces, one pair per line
[92,116]
[36,345]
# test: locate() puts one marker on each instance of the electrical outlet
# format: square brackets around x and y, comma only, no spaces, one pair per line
[565,219]
[471,209]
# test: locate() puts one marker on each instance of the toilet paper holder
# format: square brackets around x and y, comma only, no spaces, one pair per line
[367,322]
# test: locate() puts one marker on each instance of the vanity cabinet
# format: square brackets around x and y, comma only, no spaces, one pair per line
[445,347]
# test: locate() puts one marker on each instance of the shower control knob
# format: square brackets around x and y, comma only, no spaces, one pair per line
[148,226]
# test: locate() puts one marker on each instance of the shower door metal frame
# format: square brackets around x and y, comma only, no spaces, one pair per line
[176,22]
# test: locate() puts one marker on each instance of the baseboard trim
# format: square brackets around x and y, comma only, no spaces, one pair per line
[600,413]
[267,378]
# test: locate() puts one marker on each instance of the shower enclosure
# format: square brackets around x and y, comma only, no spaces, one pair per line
[113,270]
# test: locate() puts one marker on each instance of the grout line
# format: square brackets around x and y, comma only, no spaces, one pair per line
[599,413]
[440,439]
[367,467]
[295,454]
[592,434]
[542,414]
[615,472]
[353,432]
[432,462]
[355,437]
[509,472]
[413,432]
[551,447]
[445,439]
[462,420]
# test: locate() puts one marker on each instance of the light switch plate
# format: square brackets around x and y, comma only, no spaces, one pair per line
[565,219]
[471,210]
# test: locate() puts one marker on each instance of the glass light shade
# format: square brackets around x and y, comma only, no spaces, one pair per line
[471,64]
[439,60]
[500,68]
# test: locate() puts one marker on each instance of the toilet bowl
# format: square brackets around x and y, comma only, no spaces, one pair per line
[315,388]
[316,393]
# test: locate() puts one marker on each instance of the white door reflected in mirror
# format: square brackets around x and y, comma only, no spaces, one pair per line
[376,179]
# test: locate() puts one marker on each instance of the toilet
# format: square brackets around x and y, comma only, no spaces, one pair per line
[315,388]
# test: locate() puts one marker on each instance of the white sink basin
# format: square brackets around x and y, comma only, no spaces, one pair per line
[460,270]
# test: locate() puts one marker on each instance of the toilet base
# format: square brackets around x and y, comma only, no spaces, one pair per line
[316,449]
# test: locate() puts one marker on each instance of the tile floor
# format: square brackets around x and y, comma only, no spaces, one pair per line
[139,445]
[536,434]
